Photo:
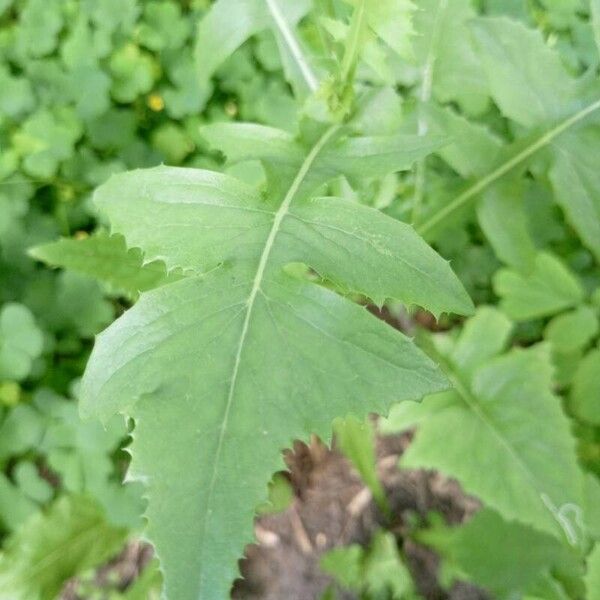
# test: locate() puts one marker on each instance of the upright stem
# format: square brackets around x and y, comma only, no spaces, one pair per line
[424,97]
[505,167]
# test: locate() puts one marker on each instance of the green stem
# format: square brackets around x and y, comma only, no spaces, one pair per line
[424,97]
[505,167]
[353,44]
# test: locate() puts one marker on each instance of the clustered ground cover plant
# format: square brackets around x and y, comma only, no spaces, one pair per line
[225,187]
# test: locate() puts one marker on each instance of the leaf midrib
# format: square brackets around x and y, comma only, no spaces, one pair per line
[464,392]
[256,286]
[290,39]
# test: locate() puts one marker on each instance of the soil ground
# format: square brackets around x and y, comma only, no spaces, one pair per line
[331,507]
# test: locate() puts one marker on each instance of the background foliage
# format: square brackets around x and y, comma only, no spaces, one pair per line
[93,88]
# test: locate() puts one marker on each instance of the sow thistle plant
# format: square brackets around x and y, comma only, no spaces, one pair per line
[224,368]
[250,330]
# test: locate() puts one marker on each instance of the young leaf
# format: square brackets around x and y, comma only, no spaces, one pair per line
[550,288]
[473,148]
[51,548]
[510,158]
[222,371]
[535,473]
[356,439]
[451,66]
[520,558]
[377,571]
[106,258]
[527,79]
[391,20]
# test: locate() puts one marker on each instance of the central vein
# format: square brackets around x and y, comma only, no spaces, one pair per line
[506,167]
[256,284]
[292,43]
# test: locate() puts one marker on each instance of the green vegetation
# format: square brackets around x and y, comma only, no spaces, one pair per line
[221,188]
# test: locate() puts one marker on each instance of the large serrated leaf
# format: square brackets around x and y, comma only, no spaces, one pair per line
[105,258]
[222,370]
[527,473]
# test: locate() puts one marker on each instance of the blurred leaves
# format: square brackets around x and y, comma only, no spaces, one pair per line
[49,548]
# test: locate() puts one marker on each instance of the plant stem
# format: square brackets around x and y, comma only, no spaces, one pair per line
[424,97]
[353,44]
[505,167]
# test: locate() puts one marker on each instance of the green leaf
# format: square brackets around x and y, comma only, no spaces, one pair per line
[483,337]
[81,454]
[46,139]
[105,258]
[173,142]
[585,393]
[526,473]
[15,507]
[521,556]
[356,157]
[16,95]
[112,15]
[532,91]
[163,26]
[510,238]
[595,6]
[576,183]
[573,330]
[256,328]
[28,479]
[21,341]
[562,13]
[219,35]
[50,548]
[384,571]
[133,73]
[78,304]
[592,579]
[90,90]
[356,440]
[21,430]
[450,63]
[185,96]
[378,571]
[547,290]
[512,157]
[40,23]
[345,565]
